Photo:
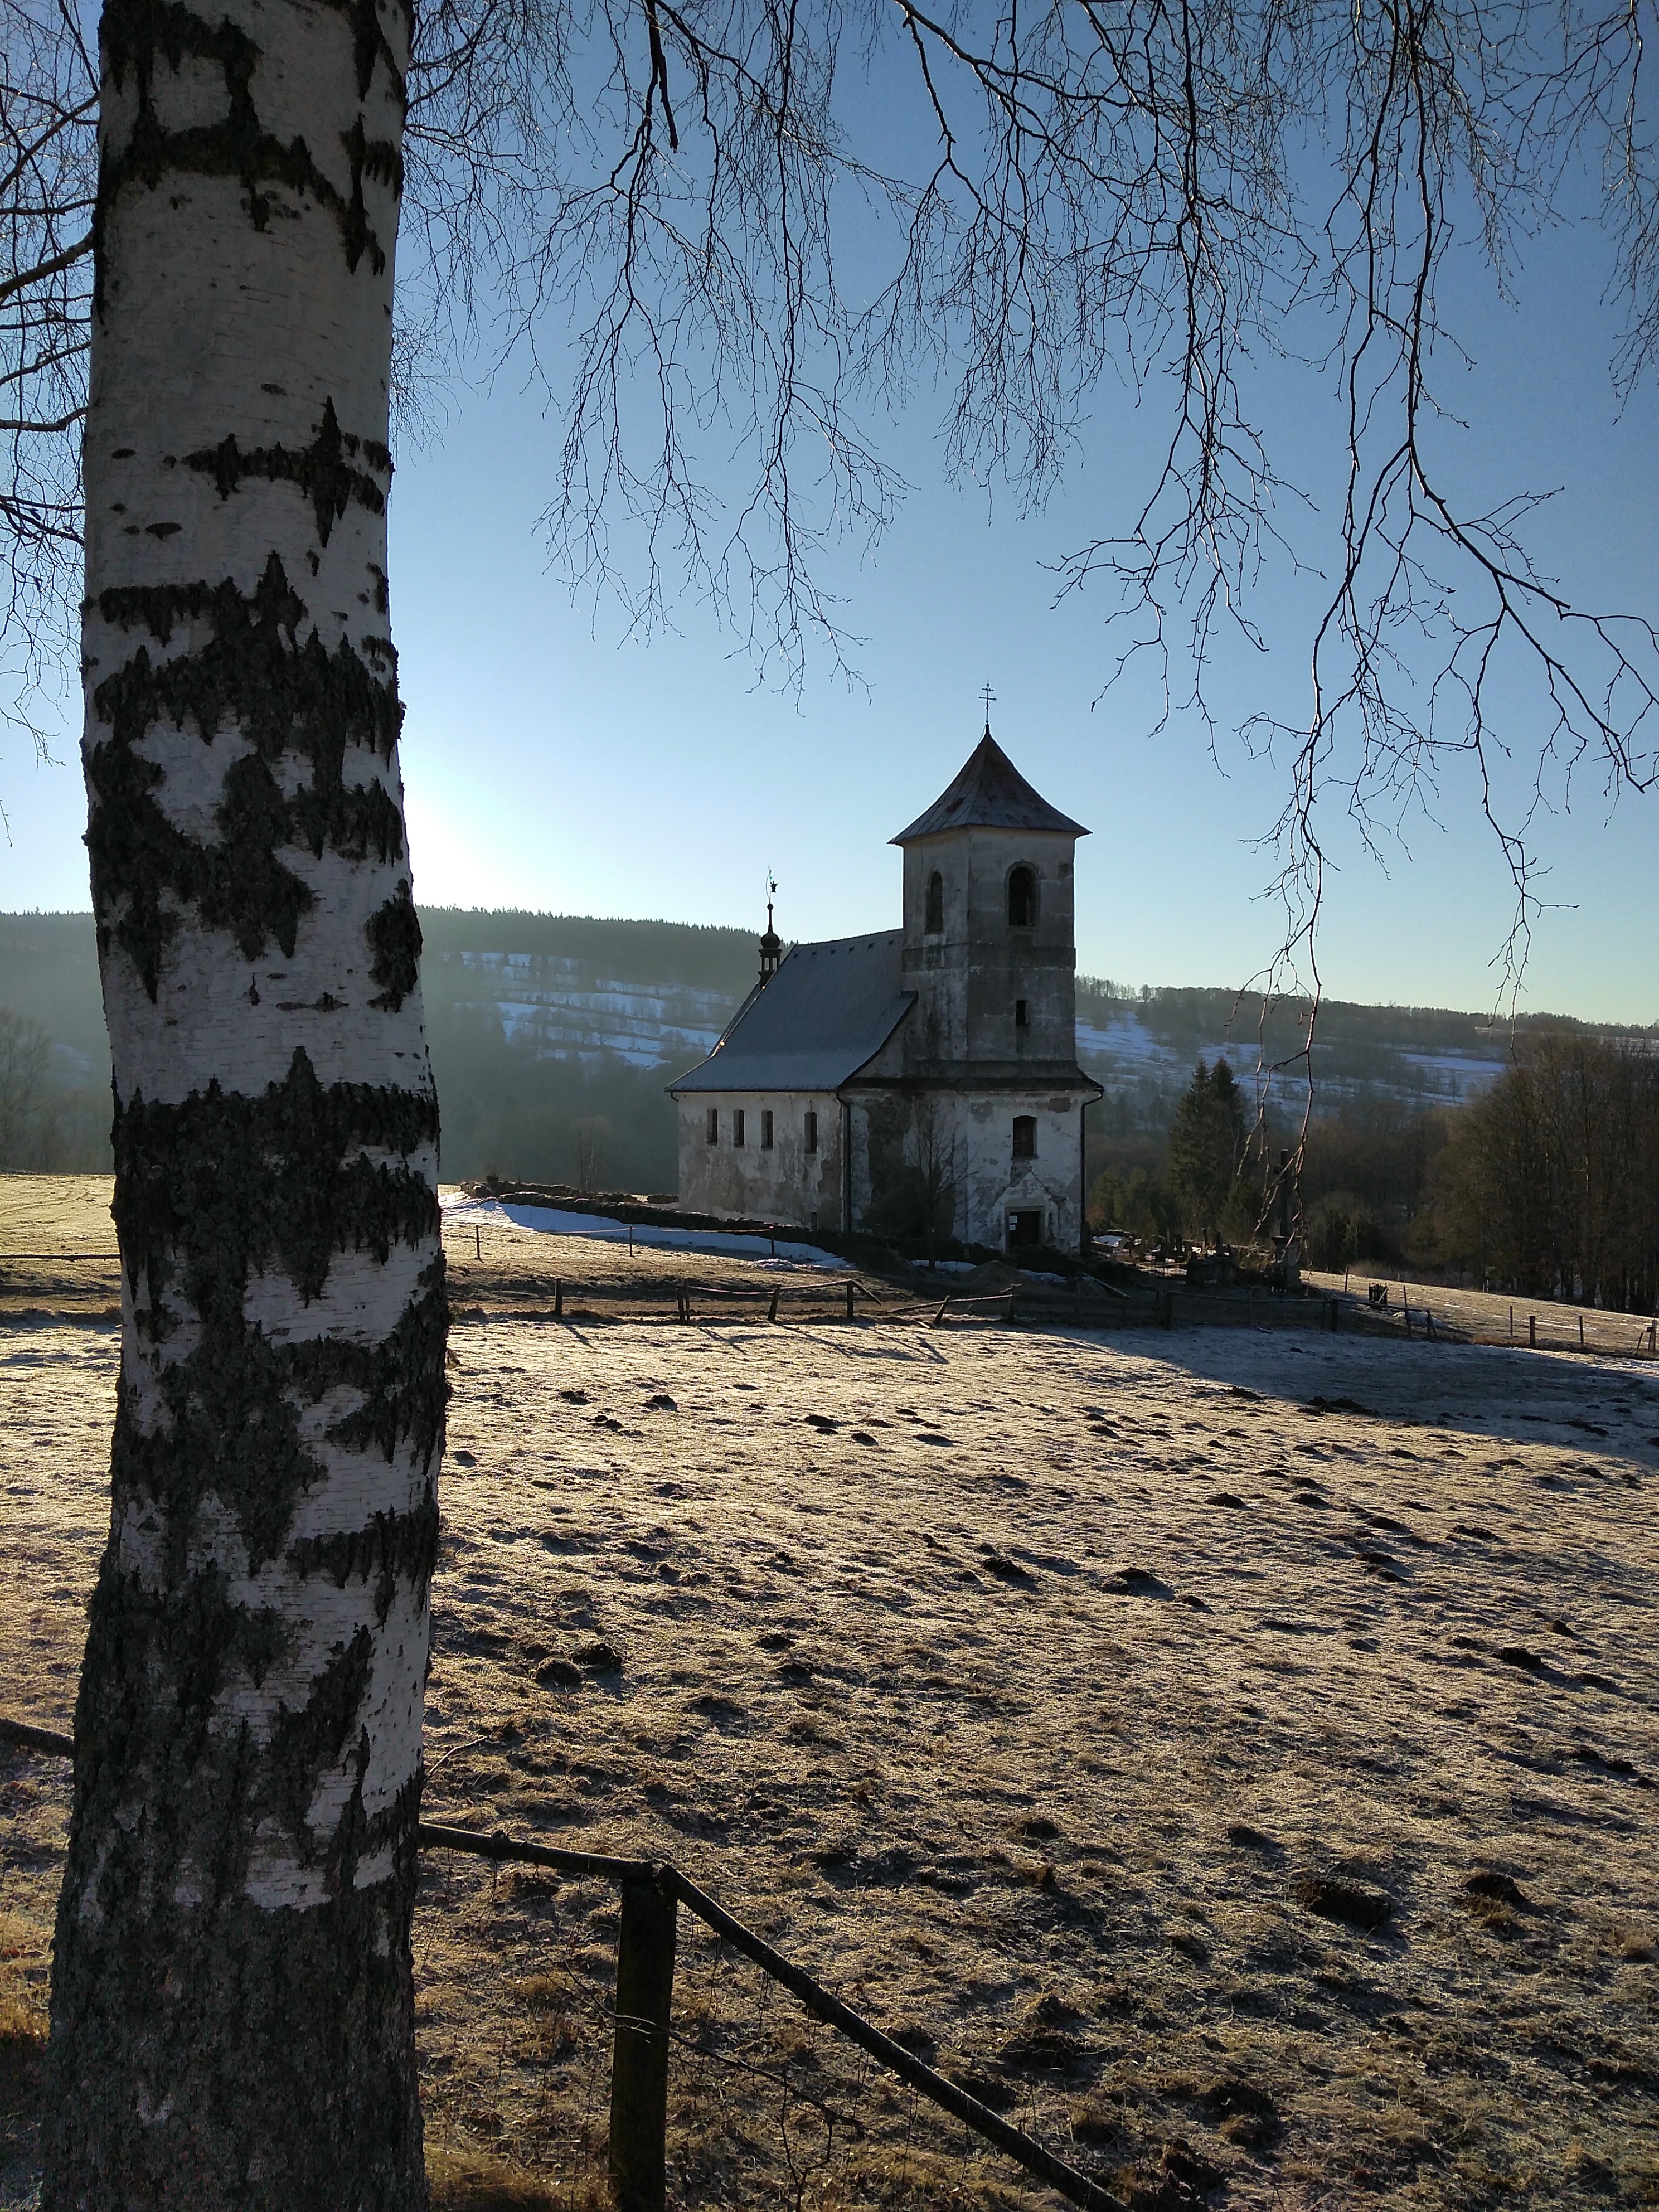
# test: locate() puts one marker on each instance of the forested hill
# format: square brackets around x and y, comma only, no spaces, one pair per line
[553,1036]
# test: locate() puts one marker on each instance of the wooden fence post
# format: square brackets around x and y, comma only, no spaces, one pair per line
[558,1298]
[639,2064]
[772,1309]
[1012,1287]
[1532,1331]
[850,1316]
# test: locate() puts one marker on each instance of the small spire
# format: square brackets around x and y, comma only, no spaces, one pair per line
[771,945]
[988,696]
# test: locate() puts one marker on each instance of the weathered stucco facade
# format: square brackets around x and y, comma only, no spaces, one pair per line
[921,1083]
[795,1175]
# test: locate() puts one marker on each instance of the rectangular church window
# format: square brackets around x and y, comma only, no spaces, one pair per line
[812,1131]
[714,1125]
[1025,1136]
[1022,1013]
[737,1125]
[766,1129]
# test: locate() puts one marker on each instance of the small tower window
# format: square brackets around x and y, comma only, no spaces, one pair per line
[736,1125]
[812,1131]
[1024,1136]
[714,1125]
[766,1129]
[1022,898]
[1022,1013]
[935,921]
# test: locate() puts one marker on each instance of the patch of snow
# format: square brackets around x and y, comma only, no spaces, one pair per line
[554,1221]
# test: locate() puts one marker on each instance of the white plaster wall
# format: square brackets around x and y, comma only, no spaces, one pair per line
[975,1137]
[785,1182]
[990,1182]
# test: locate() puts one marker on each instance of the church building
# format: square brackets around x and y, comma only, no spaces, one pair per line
[923,1081]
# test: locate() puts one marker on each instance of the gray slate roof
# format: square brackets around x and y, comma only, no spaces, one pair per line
[989,793]
[830,1008]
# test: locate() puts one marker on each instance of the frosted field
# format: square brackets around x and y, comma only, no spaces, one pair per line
[1078,1709]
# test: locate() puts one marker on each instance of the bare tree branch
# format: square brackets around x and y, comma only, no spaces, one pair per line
[729,238]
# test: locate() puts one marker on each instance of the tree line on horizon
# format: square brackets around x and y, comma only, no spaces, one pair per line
[598,1121]
[1546,1185]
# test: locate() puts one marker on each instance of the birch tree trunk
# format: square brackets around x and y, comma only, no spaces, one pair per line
[231,2002]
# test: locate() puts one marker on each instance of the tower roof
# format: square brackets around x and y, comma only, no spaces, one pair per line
[989,793]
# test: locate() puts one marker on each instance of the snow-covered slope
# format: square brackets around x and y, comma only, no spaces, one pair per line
[562,1009]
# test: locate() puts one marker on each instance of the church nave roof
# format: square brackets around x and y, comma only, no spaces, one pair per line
[830,1008]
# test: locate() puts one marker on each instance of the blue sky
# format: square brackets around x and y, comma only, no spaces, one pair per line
[550,763]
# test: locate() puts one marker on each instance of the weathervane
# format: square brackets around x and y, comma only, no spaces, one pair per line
[771,945]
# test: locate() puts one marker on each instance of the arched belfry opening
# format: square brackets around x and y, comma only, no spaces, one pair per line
[934,921]
[1022,897]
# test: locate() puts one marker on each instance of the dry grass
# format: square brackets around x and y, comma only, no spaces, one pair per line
[1489,1315]
[1258,1797]
[22,2044]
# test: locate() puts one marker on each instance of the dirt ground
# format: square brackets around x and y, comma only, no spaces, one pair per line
[1232,1754]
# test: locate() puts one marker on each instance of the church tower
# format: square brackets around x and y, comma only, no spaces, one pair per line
[990,939]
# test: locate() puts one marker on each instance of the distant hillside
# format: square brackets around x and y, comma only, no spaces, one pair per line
[553,1035]
[1417,1056]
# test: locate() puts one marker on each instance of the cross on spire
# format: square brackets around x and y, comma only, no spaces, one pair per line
[988,696]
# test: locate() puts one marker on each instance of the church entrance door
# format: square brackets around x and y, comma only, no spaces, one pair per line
[1026,1230]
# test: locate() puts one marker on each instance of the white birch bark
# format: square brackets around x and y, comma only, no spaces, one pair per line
[232,2006]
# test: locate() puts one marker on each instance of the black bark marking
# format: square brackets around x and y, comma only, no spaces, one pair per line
[322,469]
[393,931]
[285,696]
[222,1188]
[136,33]
[395,1547]
[305,1745]
[279,2038]
[370,45]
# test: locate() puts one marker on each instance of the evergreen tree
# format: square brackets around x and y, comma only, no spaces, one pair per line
[1206,1147]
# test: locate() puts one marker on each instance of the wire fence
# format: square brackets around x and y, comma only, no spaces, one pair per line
[601,2032]
[764,2104]
[1431,1314]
